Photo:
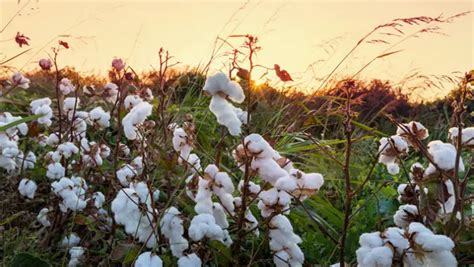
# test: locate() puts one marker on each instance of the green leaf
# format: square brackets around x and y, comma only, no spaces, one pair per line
[26,259]
[17,122]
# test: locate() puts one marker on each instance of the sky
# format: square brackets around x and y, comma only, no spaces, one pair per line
[307,38]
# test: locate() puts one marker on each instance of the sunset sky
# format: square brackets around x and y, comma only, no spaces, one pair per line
[294,34]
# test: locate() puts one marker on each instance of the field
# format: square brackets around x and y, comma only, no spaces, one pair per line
[193,167]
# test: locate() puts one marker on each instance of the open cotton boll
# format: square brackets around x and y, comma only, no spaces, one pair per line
[55,171]
[191,260]
[203,198]
[135,213]
[131,101]
[390,150]
[27,188]
[67,149]
[284,242]
[181,144]
[467,135]
[136,116]
[437,248]
[219,215]
[42,217]
[448,206]
[71,241]
[412,129]
[125,174]
[405,215]
[76,254]
[397,239]
[71,103]
[172,228]
[444,156]
[220,84]
[42,107]
[111,92]
[204,225]
[71,194]
[377,257]
[272,200]
[99,199]
[99,117]
[253,188]
[20,81]
[148,259]
[226,114]
[66,87]
[7,118]
[28,162]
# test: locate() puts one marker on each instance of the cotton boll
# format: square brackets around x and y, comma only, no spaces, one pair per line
[225,114]
[71,103]
[203,198]
[137,221]
[444,156]
[370,240]
[18,80]
[99,199]
[172,228]
[71,241]
[147,259]
[28,162]
[67,149]
[467,137]
[220,84]
[53,139]
[393,168]
[397,239]
[204,225]
[55,171]
[99,117]
[43,217]
[405,214]
[42,107]
[131,101]
[66,86]
[191,260]
[135,117]
[111,92]
[378,257]
[219,215]
[76,254]
[448,206]
[27,188]
[412,130]
[125,174]
[182,144]
[71,194]
[7,118]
